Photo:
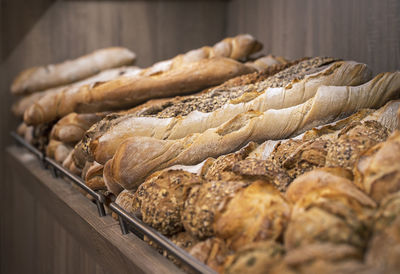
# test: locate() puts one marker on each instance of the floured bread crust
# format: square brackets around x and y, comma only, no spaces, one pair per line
[41,78]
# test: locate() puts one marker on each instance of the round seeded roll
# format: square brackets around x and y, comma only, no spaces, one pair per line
[162,198]
[203,202]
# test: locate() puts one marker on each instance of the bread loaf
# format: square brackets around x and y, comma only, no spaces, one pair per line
[58,150]
[327,209]
[26,101]
[94,177]
[41,78]
[120,127]
[138,156]
[162,198]
[249,210]
[126,92]
[198,113]
[71,128]
[378,169]
[205,66]
[48,103]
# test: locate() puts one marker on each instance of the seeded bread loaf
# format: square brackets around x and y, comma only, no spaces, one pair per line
[198,113]
[41,78]
[138,156]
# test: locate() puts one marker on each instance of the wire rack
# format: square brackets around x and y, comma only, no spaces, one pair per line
[128,222]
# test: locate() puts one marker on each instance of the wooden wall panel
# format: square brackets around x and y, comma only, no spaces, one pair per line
[364,30]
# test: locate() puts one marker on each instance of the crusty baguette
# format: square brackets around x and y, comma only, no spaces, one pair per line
[25,102]
[384,115]
[40,78]
[163,79]
[138,156]
[48,103]
[126,92]
[71,128]
[103,146]
[238,48]
[173,107]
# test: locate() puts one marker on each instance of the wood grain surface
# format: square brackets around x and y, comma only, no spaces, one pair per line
[363,30]
[52,228]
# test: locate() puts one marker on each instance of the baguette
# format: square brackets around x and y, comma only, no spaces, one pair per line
[115,125]
[71,128]
[138,156]
[41,78]
[49,102]
[25,102]
[163,79]
[125,92]
[218,105]
[385,116]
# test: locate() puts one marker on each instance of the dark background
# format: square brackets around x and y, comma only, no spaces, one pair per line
[47,31]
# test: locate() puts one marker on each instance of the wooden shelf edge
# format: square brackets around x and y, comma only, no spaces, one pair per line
[78,215]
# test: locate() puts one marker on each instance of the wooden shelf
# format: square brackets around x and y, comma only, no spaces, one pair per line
[50,227]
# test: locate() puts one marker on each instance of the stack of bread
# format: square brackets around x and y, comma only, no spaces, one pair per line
[259,165]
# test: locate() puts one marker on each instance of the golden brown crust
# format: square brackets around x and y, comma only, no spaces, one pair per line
[245,127]
[162,198]
[328,208]
[339,149]
[255,213]
[94,176]
[222,167]
[71,128]
[378,169]
[202,204]
[128,201]
[253,169]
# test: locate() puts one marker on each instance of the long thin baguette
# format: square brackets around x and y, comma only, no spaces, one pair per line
[138,156]
[194,70]
[103,146]
[25,102]
[174,106]
[41,78]
[126,92]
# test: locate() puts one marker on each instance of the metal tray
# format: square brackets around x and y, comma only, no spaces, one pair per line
[127,221]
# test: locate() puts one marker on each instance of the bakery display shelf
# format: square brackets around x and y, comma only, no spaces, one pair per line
[127,221]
